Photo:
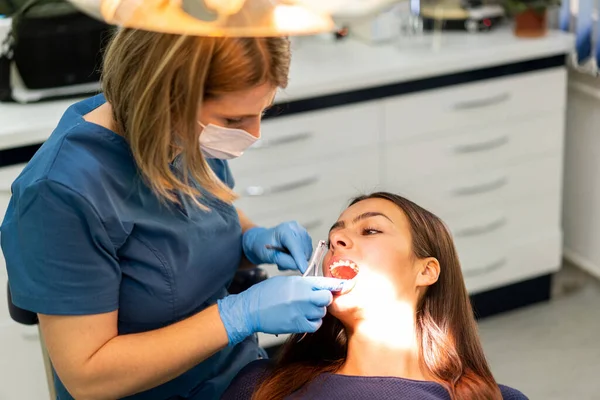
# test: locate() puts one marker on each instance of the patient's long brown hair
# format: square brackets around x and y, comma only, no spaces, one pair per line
[450,349]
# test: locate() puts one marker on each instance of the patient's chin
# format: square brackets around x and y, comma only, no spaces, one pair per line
[345,305]
[370,293]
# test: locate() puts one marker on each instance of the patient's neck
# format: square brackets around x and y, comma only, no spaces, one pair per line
[384,344]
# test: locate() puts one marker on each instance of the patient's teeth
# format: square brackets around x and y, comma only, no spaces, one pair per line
[344,263]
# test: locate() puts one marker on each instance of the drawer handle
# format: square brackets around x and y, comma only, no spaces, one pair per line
[484,146]
[31,337]
[483,188]
[482,229]
[314,224]
[471,273]
[480,103]
[256,191]
[268,143]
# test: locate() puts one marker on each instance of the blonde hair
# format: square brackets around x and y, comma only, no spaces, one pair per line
[156,82]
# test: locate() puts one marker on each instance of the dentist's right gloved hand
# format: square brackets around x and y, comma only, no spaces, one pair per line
[278,305]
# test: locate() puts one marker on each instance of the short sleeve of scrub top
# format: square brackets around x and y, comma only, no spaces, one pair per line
[60,276]
[84,235]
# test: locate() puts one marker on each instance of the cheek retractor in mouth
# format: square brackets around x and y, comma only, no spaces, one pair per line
[345,270]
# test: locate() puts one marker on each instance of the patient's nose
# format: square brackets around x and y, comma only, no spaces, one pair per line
[340,240]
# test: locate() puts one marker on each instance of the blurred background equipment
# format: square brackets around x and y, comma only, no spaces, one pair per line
[461,15]
[49,49]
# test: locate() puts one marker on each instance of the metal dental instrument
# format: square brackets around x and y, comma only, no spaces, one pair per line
[277,248]
[316,259]
[313,265]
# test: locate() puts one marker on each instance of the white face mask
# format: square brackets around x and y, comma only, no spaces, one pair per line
[224,143]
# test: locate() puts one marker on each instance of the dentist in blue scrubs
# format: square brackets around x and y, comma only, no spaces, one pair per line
[122,235]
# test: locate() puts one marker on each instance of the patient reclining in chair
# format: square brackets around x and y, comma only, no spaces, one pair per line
[406,329]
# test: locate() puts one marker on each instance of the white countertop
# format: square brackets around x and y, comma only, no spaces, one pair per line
[319,67]
[322,67]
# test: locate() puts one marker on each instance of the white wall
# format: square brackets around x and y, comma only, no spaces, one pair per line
[581,213]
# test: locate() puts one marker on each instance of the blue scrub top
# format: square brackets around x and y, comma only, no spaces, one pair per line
[83,235]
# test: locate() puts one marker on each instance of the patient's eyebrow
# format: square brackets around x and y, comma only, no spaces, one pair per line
[370,214]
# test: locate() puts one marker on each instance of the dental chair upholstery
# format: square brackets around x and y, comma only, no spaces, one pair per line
[243,279]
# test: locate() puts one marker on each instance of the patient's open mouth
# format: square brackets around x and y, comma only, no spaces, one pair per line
[344,269]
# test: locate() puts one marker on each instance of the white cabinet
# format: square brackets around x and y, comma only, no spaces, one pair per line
[22,371]
[486,157]
[581,213]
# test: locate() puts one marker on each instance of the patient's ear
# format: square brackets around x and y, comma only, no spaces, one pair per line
[429,271]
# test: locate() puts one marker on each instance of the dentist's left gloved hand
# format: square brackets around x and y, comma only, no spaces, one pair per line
[288,235]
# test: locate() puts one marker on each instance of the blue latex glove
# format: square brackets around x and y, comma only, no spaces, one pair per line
[282,304]
[289,235]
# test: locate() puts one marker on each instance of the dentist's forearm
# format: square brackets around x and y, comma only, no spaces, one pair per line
[129,364]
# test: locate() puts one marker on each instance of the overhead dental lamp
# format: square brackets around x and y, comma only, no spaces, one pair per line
[213,17]
[229,17]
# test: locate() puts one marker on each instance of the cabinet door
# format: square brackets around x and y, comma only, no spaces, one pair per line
[21,364]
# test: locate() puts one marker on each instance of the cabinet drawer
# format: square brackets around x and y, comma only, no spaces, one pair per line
[478,148]
[269,193]
[295,139]
[21,365]
[474,104]
[522,261]
[449,194]
[489,232]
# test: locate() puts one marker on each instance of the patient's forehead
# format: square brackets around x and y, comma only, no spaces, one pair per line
[386,207]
